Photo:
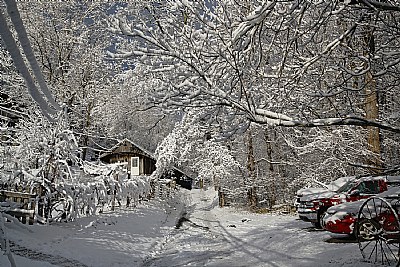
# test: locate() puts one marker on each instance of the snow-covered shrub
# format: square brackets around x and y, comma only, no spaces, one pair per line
[97,188]
[49,147]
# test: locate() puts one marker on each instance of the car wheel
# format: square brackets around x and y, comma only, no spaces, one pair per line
[319,223]
[316,225]
[321,219]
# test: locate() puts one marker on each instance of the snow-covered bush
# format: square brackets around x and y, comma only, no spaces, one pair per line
[49,147]
[95,189]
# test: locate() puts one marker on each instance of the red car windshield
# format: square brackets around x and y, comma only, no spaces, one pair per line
[347,186]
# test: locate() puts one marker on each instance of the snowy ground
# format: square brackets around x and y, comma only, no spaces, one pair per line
[207,236]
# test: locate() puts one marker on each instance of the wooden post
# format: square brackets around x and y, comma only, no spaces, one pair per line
[221,198]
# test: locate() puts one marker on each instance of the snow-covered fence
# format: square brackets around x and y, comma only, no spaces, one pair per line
[95,190]
[86,191]
[19,205]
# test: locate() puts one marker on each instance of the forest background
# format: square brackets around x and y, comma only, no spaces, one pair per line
[257,98]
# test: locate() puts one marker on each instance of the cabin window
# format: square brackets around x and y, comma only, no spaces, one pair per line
[134,165]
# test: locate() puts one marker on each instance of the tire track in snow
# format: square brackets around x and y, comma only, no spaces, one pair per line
[181,204]
[197,235]
[40,256]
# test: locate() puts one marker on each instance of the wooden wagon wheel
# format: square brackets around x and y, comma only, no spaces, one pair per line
[378,232]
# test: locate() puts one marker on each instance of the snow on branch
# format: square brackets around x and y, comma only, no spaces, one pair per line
[295,54]
[12,48]
[329,48]
[276,119]
[272,115]
[255,18]
[19,62]
[376,5]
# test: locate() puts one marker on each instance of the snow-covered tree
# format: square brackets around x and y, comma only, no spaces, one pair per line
[44,145]
[124,114]
[69,40]
[281,63]
[306,64]
[190,146]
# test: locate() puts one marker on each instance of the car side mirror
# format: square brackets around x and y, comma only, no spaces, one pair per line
[355,193]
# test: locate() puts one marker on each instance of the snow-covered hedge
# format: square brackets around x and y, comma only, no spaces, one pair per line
[93,189]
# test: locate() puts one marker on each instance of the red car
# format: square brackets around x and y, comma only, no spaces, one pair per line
[312,207]
[341,218]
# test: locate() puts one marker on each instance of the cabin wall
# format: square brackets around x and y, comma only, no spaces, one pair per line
[146,165]
[125,152]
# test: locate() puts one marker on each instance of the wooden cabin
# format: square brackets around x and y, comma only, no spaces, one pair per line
[138,161]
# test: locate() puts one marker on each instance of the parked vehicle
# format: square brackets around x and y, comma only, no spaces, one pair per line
[342,218]
[313,207]
[331,187]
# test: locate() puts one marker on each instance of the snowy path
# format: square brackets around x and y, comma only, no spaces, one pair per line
[119,239]
[212,236]
[207,235]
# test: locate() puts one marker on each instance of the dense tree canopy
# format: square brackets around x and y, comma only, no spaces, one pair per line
[290,63]
[208,82]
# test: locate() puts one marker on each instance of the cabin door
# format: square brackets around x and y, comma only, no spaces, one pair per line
[134,165]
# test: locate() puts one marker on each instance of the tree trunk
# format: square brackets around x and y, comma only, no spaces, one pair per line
[272,186]
[252,192]
[372,113]
[372,108]
[85,141]
[221,198]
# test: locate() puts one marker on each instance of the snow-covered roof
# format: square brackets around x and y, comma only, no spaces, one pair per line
[332,186]
[145,151]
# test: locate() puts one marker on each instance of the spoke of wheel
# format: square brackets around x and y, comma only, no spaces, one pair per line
[373,250]
[391,252]
[380,208]
[373,200]
[362,249]
[362,213]
[370,217]
[383,252]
